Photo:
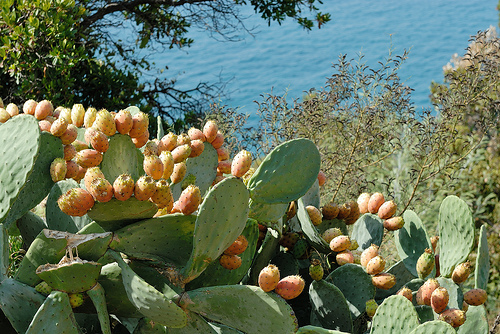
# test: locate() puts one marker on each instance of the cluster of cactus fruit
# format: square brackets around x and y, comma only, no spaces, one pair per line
[171,235]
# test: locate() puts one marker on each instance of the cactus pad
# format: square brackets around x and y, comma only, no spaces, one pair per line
[309,230]
[121,157]
[482,269]
[368,230]
[434,327]
[394,316]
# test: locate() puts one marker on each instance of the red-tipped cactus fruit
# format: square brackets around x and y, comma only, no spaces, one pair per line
[290,287]
[196,134]
[321,178]
[168,142]
[123,121]
[43,109]
[439,299]
[269,277]
[140,123]
[218,141]
[238,246]
[210,131]
[475,297]
[241,163]
[75,202]
[168,164]
[190,199]
[453,316]
[58,127]
[123,187]
[29,107]
[181,153]
[69,135]
[375,202]
[405,292]
[197,148]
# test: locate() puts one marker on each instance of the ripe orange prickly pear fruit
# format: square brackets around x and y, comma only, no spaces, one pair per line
[425,291]
[269,277]
[371,307]
[181,153]
[123,121]
[475,297]
[69,152]
[64,113]
[384,281]
[71,169]
[434,241]
[387,210]
[222,153]
[89,117]
[58,169]
[238,246]
[289,239]
[153,166]
[230,262]
[183,139]
[344,257]
[29,107]
[75,299]
[168,142]
[196,134]
[43,109]
[141,140]
[316,270]
[91,174]
[453,316]
[123,187]
[375,266]
[218,141]
[44,125]
[105,122]
[290,287]
[439,299]
[405,292]
[168,164]
[77,115]
[5,116]
[340,243]
[394,223]
[241,163]
[163,197]
[145,187]
[69,135]
[314,215]
[190,199]
[321,178]
[224,167]
[292,210]
[58,127]
[210,131]
[101,190]
[197,148]
[140,123]
[425,263]
[178,173]
[461,272]
[368,254]
[75,202]
[88,158]
[330,211]
[98,140]
[363,202]
[375,201]
[12,109]
[331,233]
[344,211]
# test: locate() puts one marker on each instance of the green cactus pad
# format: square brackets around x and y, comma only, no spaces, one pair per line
[276,181]
[476,321]
[221,218]
[455,292]
[223,329]
[30,225]
[434,327]
[329,306]
[287,263]
[267,214]
[98,298]
[395,315]
[54,316]
[331,223]
[355,284]
[158,275]
[368,230]
[215,274]
[58,220]
[19,303]
[116,214]
[482,270]
[243,307]
[4,252]
[317,330]
[456,233]
[411,241]
[403,276]
[96,247]
[312,196]
[70,277]
[310,230]
[203,167]
[149,301]
[160,132]
[121,157]
[170,237]
[195,325]
[267,251]
[425,312]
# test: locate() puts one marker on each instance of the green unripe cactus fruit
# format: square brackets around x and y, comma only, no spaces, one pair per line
[316,270]
[425,263]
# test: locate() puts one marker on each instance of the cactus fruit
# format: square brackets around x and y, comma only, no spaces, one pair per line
[178,173]
[88,158]
[394,223]
[44,125]
[140,123]
[163,197]
[105,122]
[69,135]
[425,263]
[375,201]
[316,270]
[197,148]
[238,246]
[344,257]
[241,163]
[188,180]
[387,210]
[363,202]
[168,164]
[168,142]
[353,213]
[375,266]
[371,307]
[290,287]
[461,272]
[224,167]
[222,153]
[58,127]
[123,121]
[210,131]
[218,141]
[475,297]
[331,233]
[69,152]
[189,200]
[64,113]
[78,115]
[321,178]
[29,107]
[424,293]
[153,166]
[141,140]
[368,254]
[439,299]
[123,187]
[12,109]
[354,245]
[98,140]
[196,134]
[75,299]
[89,118]
[405,292]
[145,187]
[453,316]
[43,288]
[344,211]
[230,262]
[269,277]
[292,210]
[101,190]
[314,215]
[58,169]
[434,242]
[72,169]
[289,239]
[384,281]
[43,109]
[340,243]
[75,202]
[330,211]
[181,153]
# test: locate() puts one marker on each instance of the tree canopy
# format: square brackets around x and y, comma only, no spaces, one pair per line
[68,51]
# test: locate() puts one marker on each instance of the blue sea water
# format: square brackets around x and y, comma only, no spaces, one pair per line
[289,58]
